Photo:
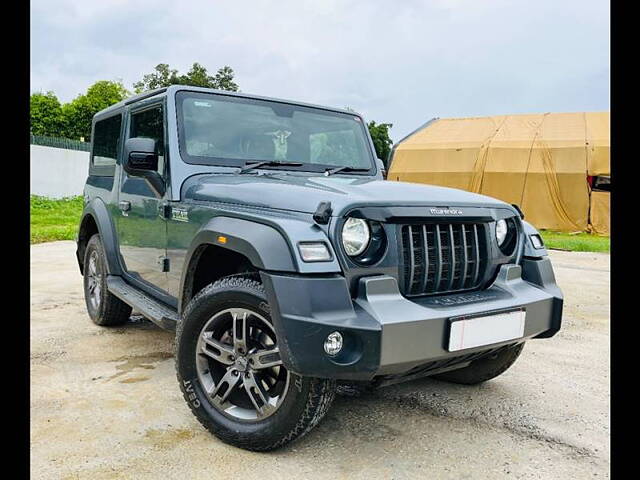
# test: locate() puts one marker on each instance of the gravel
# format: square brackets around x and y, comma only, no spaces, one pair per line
[105,403]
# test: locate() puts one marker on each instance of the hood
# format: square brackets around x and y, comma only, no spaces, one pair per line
[304,193]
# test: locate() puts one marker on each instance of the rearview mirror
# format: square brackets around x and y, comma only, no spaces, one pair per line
[141,160]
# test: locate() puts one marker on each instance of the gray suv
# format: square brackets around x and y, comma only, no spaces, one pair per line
[263,233]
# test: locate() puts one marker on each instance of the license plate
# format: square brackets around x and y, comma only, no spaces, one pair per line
[470,332]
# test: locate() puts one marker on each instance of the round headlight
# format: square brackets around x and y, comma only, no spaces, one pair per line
[501,231]
[355,236]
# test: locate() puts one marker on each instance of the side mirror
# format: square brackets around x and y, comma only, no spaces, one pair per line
[382,168]
[141,160]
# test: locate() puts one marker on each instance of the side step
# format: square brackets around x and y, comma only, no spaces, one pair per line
[160,314]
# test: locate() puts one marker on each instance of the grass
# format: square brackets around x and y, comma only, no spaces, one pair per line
[54,219]
[575,242]
[58,220]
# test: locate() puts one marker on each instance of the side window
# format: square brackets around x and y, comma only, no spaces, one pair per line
[150,124]
[106,142]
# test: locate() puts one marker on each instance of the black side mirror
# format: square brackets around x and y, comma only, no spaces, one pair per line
[141,160]
[140,154]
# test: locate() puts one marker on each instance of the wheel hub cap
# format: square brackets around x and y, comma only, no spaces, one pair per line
[242,364]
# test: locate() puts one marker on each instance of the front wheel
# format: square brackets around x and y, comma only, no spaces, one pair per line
[231,375]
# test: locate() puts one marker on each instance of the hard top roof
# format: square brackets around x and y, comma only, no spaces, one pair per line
[175,88]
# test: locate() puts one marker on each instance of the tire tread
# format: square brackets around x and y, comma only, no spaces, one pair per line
[114,311]
[321,391]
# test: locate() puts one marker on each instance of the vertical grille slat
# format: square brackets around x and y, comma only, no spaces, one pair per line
[412,259]
[442,257]
[452,258]
[476,253]
[425,242]
[465,258]
[436,282]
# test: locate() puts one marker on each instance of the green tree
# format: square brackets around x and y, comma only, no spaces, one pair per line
[381,140]
[46,114]
[224,79]
[198,76]
[162,76]
[79,112]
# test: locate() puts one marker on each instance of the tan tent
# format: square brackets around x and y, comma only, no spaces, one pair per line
[540,162]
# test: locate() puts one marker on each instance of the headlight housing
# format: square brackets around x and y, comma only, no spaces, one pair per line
[355,236]
[501,231]
[507,235]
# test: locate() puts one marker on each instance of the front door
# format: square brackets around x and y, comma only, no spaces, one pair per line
[142,230]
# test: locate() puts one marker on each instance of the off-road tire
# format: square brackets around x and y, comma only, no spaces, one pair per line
[484,368]
[110,311]
[307,399]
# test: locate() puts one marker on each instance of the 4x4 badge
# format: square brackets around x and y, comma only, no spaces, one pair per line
[179,215]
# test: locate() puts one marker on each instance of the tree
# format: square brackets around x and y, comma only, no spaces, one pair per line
[224,79]
[79,112]
[197,76]
[163,76]
[381,140]
[46,115]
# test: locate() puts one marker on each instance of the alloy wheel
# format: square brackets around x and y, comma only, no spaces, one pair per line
[94,280]
[239,364]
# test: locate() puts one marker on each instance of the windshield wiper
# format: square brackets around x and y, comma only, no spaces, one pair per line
[271,163]
[331,171]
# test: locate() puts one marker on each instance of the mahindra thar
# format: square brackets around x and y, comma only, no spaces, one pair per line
[263,233]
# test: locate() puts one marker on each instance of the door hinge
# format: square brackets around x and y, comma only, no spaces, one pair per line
[164,264]
[165,211]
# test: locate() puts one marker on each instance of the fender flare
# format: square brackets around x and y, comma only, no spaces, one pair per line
[98,210]
[263,245]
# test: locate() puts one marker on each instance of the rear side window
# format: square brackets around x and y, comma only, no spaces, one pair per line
[106,143]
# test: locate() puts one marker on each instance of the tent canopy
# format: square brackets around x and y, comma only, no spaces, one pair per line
[538,161]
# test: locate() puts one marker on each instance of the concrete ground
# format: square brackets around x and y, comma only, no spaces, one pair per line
[105,403]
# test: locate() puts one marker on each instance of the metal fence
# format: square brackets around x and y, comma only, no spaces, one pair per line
[58,142]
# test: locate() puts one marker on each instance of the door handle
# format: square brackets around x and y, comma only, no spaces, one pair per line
[124,206]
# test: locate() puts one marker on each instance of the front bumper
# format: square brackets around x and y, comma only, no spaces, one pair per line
[386,334]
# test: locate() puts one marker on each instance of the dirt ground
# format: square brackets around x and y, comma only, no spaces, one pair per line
[105,403]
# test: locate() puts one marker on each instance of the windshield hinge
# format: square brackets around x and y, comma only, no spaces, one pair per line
[163,263]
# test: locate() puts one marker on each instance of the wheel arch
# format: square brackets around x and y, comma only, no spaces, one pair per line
[238,246]
[96,219]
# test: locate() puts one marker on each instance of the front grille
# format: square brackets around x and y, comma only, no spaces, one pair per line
[442,257]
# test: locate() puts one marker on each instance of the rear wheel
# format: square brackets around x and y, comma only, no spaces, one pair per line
[485,368]
[231,374]
[104,308]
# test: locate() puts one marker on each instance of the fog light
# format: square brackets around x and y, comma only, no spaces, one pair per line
[536,240]
[333,343]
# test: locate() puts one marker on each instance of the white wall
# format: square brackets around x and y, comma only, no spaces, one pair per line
[57,172]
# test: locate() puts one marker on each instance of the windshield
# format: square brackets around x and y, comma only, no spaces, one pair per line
[225,130]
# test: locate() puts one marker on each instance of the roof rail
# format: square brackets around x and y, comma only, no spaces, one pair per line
[142,96]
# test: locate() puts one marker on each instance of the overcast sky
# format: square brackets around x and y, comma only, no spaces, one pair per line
[401,62]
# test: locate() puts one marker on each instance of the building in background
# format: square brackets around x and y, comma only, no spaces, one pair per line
[554,166]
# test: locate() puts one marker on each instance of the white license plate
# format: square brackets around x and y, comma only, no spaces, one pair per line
[478,331]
